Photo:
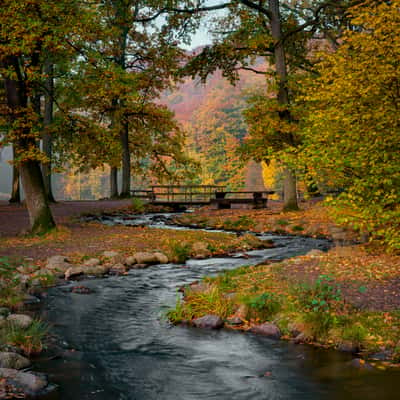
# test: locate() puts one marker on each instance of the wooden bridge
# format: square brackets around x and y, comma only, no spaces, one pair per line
[178,196]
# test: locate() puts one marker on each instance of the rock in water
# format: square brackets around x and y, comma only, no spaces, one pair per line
[209,322]
[267,329]
[29,383]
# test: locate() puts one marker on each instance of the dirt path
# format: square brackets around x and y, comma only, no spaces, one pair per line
[14,218]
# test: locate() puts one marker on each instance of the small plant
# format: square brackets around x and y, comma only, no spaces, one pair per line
[297,228]
[10,294]
[356,333]
[30,339]
[179,313]
[180,252]
[244,222]
[282,222]
[262,306]
[46,280]
[137,205]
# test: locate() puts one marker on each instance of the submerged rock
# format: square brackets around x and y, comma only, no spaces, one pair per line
[28,382]
[13,360]
[359,363]
[209,322]
[117,269]
[267,329]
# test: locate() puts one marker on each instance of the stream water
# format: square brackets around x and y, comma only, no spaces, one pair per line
[118,344]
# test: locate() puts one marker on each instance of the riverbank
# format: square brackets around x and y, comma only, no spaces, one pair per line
[30,265]
[347,298]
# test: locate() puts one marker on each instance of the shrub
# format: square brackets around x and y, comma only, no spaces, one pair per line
[263,305]
[180,252]
[137,205]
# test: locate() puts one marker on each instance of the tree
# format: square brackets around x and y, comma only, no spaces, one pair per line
[351,122]
[278,31]
[34,30]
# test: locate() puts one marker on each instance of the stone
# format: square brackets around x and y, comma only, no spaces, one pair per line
[295,329]
[359,363]
[57,263]
[242,311]
[20,320]
[348,347]
[28,382]
[97,270]
[113,256]
[74,272]
[267,329]
[117,269]
[209,322]
[92,262]
[13,361]
[140,266]
[383,355]
[235,321]
[131,260]
[301,338]
[315,253]
[200,250]
[161,257]
[145,258]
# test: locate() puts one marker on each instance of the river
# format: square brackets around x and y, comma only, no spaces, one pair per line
[117,344]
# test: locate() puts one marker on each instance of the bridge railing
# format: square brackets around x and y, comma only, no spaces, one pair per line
[185,193]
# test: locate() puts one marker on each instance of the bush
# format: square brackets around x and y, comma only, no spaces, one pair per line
[137,205]
[262,306]
[180,252]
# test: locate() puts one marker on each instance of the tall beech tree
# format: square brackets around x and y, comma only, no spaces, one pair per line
[34,30]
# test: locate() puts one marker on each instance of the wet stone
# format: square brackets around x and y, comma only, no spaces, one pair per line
[13,360]
[267,329]
[209,322]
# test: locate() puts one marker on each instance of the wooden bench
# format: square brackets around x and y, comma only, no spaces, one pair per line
[258,199]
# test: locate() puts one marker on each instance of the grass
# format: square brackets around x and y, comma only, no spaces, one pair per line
[180,252]
[29,340]
[265,293]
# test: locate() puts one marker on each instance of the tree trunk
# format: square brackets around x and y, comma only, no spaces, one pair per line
[290,192]
[41,219]
[15,190]
[126,162]
[113,183]
[47,140]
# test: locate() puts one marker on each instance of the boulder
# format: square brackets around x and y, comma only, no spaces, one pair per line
[295,329]
[200,250]
[57,263]
[20,320]
[131,260]
[13,360]
[209,322]
[117,269]
[28,382]
[113,256]
[92,262]
[161,257]
[97,270]
[145,258]
[267,329]
[74,272]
